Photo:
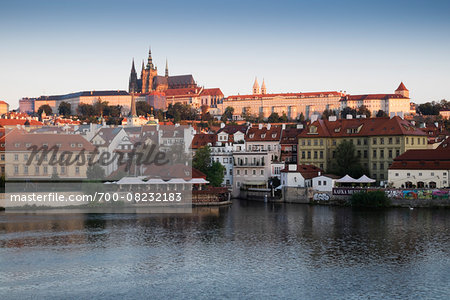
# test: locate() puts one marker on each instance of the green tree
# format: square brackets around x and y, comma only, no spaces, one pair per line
[348,111]
[327,113]
[214,170]
[65,108]
[372,199]
[86,110]
[301,118]
[228,114]
[346,161]
[45,108]
[215,173]
[143,108]
[381,113]
[363,110]
[95,173]
[274,118]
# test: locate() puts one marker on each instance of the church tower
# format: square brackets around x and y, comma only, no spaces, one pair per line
[255,87]
[402,90]
[263,88]
[148,74]
[132,119]
[133,81]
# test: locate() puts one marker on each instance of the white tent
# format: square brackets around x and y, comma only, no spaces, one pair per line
[130,180]
[365,179]
[198,181]
[177,180]
[156,181]
[347,179]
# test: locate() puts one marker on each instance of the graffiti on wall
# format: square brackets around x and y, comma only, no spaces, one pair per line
[321,197]
[418,194]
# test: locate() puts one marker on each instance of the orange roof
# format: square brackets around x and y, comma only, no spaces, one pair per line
[298,95]
[361,127]
[183,92]
[371,97]
[15,122]
[307,171]
[201,140]
[3,102]
[255,134]
[438,159]
[212,92]
[401,87]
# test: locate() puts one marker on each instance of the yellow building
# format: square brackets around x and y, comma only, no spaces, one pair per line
[377,141]
[23,163]
[4,108]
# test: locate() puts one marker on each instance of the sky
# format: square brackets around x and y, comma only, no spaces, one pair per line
[58,47]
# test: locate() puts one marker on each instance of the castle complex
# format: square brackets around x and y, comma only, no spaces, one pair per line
[150,80]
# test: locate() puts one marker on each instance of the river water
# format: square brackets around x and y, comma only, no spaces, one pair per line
[248,250]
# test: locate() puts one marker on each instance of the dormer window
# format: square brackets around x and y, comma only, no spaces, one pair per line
[274,135]
[263,135]
[252,135]
[313,129]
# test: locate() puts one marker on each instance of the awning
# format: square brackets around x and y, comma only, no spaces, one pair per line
[365,179]
[130,180]
[347,179]
[198,181]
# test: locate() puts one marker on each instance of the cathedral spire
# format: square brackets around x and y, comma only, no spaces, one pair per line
[263,87]
[132,83]
[167,69]
[256,86]
[150,60]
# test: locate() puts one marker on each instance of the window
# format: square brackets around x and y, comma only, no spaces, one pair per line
[366,154]
[396,174]
[408,174]
[316,142]
[262,172]
[366,141]
[36,170]
[397,140]
[324,182]
[381,153]
[309,154]
[321,142]
[231,172]
[390,153]
[382,141]
[374,166]
[374,141]
[374,154]
[63,170]
[420,174]
[254,172]
[45,170]
[25,169]
[315,154]
[432,173]
[16,169]
[238,172]
[16,156]
[407,140]
[358,142]
[397,153]
[321,154]
[320,182]
[390,141]
[303,154]
[381,166]
[245,172]
[77,170]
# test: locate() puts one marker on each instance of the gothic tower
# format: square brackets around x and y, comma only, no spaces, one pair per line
[263,88]
[148,74]
[255,87]
[133,81]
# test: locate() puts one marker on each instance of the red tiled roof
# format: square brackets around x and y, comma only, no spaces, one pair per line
[17,140]
[371,97]
[212,92]
[289,136]
[307,171]
[362,127]
[438,159]
[15,122]
[183,92]
[264,134]
[298,95]
[201,140]
[401,87]
[3,102]
[232,129]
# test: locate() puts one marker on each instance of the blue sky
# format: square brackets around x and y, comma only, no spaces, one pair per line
[55,47]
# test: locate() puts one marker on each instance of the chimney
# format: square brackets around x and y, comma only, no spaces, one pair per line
[314,118]
[349,117]
[363,116]
[436,124]
[283,126]
[391,115]
[400,114]
[268,126]
[413,123]
[260,126]
[332,118]
[299,126]
[292,167]
[222,125]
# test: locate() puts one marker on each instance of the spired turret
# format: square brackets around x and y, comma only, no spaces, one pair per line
[256,87]
[133,81]
[402,90]
[263,88]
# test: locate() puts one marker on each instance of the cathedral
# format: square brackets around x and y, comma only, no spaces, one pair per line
[151,81]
